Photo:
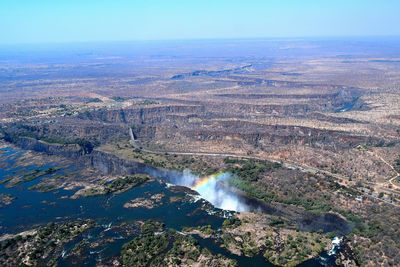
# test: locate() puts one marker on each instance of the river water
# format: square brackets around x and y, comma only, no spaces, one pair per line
[32,209]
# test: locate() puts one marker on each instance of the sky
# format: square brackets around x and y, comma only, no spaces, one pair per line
[36,21]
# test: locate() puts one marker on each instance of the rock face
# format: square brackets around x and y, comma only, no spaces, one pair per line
[228,119]
[71,129]
[197,121]
[65,150]
[149,115]
[104,162]
[111,164]
[260,135]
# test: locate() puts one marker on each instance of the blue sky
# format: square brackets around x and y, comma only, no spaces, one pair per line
[27,21]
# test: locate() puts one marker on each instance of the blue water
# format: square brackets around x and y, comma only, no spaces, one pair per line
[32,209]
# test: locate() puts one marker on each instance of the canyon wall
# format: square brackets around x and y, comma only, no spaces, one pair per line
[65,150]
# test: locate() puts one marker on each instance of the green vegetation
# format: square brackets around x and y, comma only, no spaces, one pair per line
[122,184]
[41,247]
[318,193]
[94,100]
[118,185]
[205,229]
[251,169]
[384,144]
[141,250]
[43,188]
[13,137]
[251,190]
[247,174]
[55,140]
[167,249]
[295,251]
[397,164]
[330,235]
[309,204]
[232,222]
[145,102]
[276,221]
[32,175]
[86,145]
[379,224]
[151,226]
[6,199]
[260,233]
[14,131]
[78,249]
[118,98]
[197,164]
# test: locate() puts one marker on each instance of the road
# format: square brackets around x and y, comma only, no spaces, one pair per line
[285,163]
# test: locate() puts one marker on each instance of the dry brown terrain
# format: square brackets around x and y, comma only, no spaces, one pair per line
[331,112]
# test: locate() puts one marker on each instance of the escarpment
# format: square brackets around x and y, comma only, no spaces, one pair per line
[139,115]
[220,122]
[273,135]
[112,164]
[66,150]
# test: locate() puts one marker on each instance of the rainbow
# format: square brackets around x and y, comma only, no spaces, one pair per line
[205,181]
[210,189]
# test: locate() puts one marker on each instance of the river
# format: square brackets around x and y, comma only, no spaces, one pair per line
[32,209]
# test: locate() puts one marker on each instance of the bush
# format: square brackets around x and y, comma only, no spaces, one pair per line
[232,222]
[330,235]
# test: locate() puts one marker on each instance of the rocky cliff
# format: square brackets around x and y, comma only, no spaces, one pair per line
[104,162]
[112,164]
[65,150]
[139,115]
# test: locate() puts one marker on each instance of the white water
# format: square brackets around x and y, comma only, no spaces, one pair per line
[219,196]
[335,245]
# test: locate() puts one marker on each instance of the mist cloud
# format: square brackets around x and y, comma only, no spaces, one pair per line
[214,189]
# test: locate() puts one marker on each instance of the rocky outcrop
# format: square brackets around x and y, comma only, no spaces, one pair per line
[102,161]
[273,96]
[212,73]
[112,164]
[65,150]
[264,135]
[139,115]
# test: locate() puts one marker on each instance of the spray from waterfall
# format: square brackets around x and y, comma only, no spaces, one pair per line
[215,189]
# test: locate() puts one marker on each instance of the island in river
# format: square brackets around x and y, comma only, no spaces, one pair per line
[263,151]
[108,219]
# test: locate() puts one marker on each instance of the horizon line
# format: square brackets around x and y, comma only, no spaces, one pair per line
[322,37]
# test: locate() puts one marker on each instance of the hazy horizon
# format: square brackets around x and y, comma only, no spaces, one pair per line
[43,21]
[178,40]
